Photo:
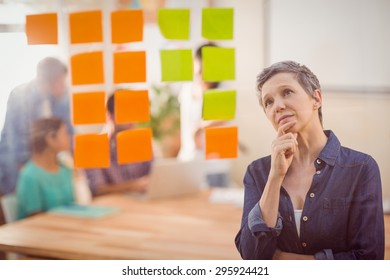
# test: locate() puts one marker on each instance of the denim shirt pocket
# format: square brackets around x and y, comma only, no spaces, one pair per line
[334,220]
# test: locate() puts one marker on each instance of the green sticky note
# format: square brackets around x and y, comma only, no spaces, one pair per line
[218,64]
[85,211]
[174,23]
[219,104]
[176,65]
[217,23]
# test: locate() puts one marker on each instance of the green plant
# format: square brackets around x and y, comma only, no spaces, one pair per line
[164,112]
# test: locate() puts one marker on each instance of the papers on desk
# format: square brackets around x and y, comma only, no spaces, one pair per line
[85,211]
[232,195]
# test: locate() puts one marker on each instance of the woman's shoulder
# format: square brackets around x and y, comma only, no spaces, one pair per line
[260,165]
[261,162]
[352,157]
[257,172]
[28,175]
[29,168]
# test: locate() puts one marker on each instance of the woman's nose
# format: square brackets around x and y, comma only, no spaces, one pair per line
[279,105]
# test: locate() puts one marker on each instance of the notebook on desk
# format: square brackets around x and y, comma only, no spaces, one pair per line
[85,211]
[173,178]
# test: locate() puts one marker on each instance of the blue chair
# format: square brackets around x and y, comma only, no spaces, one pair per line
[9,204]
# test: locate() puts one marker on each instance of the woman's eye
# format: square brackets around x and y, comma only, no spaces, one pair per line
[287,92]
[267,103]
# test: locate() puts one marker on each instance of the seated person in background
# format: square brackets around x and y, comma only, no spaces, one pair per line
[118,177]
[43,183]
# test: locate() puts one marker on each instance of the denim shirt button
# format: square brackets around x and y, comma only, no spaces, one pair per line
[304,244]
[318,172]
[319,161]
[305,218]
[312,195]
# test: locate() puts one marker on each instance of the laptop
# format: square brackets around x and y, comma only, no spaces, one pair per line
[173,178]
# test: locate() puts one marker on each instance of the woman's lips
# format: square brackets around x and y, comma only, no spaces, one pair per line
[284,119]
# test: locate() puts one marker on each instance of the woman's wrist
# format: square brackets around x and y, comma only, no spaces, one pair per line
[274,177]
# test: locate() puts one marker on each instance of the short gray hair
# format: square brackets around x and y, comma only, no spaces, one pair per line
[304,76]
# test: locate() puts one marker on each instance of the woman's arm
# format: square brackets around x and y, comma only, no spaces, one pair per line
[366,222]
[261,222]
[283,148]
[136,185]
[280,255]
[30,200]
[255,240]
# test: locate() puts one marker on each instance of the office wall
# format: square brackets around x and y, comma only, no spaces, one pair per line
[360,120]
[345,42]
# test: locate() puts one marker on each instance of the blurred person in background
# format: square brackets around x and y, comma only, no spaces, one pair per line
[44,96]
[193,125]
[118,178]
[43,182]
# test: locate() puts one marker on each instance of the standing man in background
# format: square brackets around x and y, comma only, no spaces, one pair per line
[44,96]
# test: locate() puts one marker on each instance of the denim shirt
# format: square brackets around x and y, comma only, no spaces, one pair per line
[24,106]
[342,217]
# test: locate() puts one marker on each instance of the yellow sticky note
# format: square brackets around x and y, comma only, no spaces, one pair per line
[86,27]
[91,151]
[95,102]
[130,67]
[134,145]
[219,104]
[131,106]
[176,65]
[174,23]
[127,26]
[218,64]
[217,23]
[221,142]
[87,68]
[42,29]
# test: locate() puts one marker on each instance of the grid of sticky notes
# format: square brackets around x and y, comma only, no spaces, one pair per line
[87,68]
[218,64]
[130,106]
[126,27]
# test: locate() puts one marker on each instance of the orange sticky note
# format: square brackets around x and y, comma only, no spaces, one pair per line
[129,67]
[87,68]
[131,106]
[91,151]
[85,27]
[42,29]
[221,142]
[88,108]
[134,145]
[127,26]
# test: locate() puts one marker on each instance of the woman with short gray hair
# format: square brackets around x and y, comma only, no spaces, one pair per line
[311,198]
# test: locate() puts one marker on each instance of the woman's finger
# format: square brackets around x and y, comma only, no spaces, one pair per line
[284,127]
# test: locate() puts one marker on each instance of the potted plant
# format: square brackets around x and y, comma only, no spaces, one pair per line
[165,119]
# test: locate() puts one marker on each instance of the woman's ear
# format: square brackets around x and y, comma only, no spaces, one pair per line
[50,138]
[317,96]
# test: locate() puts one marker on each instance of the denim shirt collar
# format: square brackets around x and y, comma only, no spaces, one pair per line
[331,150]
